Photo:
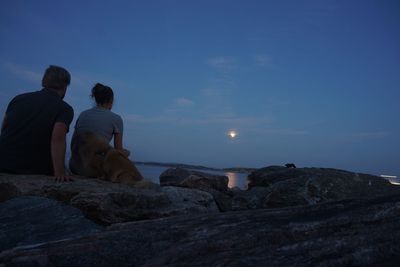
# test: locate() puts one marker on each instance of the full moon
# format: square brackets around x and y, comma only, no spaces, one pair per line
[232,134]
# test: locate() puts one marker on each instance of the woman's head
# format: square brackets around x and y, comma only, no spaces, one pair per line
[102,94]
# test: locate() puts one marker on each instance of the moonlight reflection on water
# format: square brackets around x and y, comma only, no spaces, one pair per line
[152,173]
[237,180]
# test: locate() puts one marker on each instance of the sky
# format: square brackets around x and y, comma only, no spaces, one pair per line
[312,82]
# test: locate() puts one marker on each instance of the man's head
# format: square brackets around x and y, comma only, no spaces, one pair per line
[56,78]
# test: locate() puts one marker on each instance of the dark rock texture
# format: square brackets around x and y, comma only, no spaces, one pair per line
[216,185]
[344,233]
[8,191]
[286,187]
[27,221]
[107,203]
[193,179]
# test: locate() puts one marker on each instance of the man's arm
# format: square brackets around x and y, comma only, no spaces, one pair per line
[58,147]
[3,124]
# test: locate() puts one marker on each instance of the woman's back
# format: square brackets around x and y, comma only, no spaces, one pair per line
[100,121]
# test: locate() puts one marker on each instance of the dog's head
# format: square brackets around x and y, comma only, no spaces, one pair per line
[118,168]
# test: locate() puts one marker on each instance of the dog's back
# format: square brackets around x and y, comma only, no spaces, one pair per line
[93,157]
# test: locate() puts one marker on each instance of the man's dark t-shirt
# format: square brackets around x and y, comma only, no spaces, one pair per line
[25,140]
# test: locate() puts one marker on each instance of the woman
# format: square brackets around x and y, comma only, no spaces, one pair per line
[99,120]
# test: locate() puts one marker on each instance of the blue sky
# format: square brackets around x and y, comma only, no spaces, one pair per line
[310,82]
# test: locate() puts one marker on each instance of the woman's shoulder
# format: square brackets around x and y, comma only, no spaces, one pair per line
[115,115]
[87,111]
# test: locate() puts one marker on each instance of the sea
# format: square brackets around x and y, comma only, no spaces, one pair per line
[152,173]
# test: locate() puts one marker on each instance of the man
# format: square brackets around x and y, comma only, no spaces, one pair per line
[33,132]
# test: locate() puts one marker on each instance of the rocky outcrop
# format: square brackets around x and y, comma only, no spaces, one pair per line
[277,186]
[29,221]
[216,185]
[344,233]
[330,218]
[192,192]
[108,203]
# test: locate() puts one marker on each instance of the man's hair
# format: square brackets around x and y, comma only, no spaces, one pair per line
[102,94]
[56,77]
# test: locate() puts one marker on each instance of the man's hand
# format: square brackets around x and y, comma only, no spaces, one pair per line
[63,178]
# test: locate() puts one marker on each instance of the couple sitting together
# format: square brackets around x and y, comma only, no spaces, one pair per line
[33,134]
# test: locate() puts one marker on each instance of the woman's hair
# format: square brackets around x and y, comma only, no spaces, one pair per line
[102,94]
[56,78]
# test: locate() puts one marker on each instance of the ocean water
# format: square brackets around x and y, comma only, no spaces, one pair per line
[152,173]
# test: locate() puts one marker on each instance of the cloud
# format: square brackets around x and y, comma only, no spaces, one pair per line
[371,135]
[223,64]
[226,120]
[262,60]
[136,118]
[279,131]
[184,102]
[213,92]
[23,73]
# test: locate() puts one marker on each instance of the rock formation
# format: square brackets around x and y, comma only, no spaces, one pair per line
[216,185]
[343,233]
[108,203]
[288,217]
[28,221]
[277,186]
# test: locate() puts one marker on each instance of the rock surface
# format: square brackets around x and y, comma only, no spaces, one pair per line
[284,187]
[107,203]
[26,221]
[193,179]
[344,233]
[216,185]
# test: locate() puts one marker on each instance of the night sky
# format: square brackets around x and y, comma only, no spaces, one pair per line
[315,83]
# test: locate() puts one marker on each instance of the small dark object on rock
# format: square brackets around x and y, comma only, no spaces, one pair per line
[290,165]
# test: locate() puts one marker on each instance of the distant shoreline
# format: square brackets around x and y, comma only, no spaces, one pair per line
[196,167]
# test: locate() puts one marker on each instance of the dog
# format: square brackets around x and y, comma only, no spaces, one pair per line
[290,165]
[94,157]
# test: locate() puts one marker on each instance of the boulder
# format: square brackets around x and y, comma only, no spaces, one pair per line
[31,221]
[250,199]
[216,185]
[343,233]
[194,179]
[304,186]
[107,203]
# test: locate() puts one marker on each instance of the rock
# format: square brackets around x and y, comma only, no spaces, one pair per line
[343,233]
[250,199]
[107,203]
[269,175]
[131,205]
[8,191]
[30,221]
[216,185]
[181,197]
[304,186]
[194,179]
[235,190]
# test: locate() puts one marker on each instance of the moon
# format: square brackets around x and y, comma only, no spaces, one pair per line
[232,134]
